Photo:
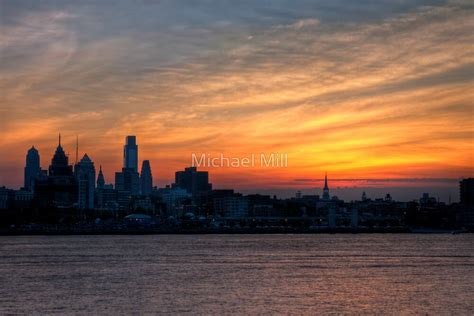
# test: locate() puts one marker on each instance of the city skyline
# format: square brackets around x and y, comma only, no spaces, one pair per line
[237,157]
[370,97]
[350,193]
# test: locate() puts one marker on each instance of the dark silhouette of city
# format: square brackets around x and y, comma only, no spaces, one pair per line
[69,198]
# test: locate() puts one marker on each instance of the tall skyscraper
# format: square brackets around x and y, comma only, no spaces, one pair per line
[60,163]
[326,196]
[146,178]
[100,179]
[59,188]
[130,153]
[85,175]
[128,180]
[32,168]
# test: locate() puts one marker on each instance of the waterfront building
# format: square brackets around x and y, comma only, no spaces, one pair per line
[130,153]
[261,206]
[231,206]
[7,198]
[354,217]
[23,199]
[143,203]
[32,168]
[146,178]
[174,199]
[85,175]
[332,217]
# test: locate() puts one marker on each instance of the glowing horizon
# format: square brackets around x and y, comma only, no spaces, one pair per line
[371,92]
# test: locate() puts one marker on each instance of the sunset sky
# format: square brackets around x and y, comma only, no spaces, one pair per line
[377,93]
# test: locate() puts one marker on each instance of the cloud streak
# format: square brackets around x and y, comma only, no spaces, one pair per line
[388,96]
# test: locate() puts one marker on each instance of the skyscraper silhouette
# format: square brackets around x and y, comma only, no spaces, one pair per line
[32,168]
[130,153]
[85,175]
[100,179]
[127,184]
[59,189]
[193,181]
[146,178]
[60,162]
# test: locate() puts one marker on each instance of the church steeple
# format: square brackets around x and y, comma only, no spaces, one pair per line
[326,196]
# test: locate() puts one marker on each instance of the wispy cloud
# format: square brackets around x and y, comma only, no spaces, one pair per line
[298,25]
[388,96]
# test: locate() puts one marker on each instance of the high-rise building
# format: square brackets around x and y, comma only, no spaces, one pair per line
[100,179]
[146,178]
[127,180]
[60,163]
[59,188]
[130,153]
[326,196]
[32,168]
[193,181]
[85,175]
[466,191]
[127,185]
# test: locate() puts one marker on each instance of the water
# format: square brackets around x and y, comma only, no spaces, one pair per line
[242,274]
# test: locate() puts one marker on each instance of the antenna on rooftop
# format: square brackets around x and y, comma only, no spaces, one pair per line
[77,148]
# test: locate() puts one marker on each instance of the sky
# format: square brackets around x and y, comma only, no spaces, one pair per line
[379,94]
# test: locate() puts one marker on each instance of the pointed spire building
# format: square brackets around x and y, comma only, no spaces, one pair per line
[100,179]
[58,188]
[60,162]
[146,178]
[326,196]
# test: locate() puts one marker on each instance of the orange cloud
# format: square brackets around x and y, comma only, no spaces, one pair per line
[374,100]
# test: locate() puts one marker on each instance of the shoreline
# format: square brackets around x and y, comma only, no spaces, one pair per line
[263,231]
